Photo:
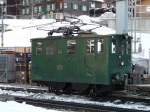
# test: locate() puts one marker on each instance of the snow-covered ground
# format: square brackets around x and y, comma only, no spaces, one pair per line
[77,99]
[11,106]
[145,39]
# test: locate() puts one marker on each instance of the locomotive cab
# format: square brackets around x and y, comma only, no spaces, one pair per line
[120,59]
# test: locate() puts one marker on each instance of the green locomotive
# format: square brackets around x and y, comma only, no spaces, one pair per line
[87,62]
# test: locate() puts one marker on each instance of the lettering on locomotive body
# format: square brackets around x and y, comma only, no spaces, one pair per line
[59,67]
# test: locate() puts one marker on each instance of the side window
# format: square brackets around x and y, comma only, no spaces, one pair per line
[113,46]
[50,50]
[100,45]
[39,48]
[90,46]
[71,46]
[38,51]
[128,46]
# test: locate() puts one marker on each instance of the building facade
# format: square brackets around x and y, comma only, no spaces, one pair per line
[13,8]
[143,8]
[56,8]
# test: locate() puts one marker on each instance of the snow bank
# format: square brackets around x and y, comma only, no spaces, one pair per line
[145,39]
[73,98]
[12,106]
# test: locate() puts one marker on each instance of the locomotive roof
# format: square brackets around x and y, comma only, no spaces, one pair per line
[81,35]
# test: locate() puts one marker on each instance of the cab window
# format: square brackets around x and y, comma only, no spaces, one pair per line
[38,51]
[39,48]
[90,46]
[100,45]
[71,46]
[50,50]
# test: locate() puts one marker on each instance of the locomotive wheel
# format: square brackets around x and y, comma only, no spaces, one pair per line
[80,88]
[67,88]
[56,87]
[99,90]
[91,91]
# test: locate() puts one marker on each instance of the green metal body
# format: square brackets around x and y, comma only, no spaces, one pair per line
[54,60]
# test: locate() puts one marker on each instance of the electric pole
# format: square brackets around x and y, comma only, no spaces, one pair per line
[2,23]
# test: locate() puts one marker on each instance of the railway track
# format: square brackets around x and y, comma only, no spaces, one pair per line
[84,107]
[73,106]
[131,97]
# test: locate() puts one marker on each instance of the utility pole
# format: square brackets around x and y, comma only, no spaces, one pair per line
[135,38]
[122,16]
[2,23]
[32,7]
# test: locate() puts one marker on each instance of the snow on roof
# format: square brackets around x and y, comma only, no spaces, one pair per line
[23,30]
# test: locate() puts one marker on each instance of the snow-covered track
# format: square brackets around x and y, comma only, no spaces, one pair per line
[28,88]
[73,105]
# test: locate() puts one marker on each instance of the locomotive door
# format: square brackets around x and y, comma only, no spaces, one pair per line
[90,61]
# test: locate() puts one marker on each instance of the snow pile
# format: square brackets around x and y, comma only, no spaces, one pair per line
[18,93]
[108,15]
[94,24]
[145,39]
[85,19]
[12,106]
[99,0]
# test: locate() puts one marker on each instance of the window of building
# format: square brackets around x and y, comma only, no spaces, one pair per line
[148,9]
[90,46]
[84,8]
[23,11]
[65,5]
[75,6]
[40,9]
[100,45]
[53,6]
[61,5]
[48,7]
[50,50]
[27,11]
[71,46]
[35,9]
[27,2]
[92,4]
[23,2]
